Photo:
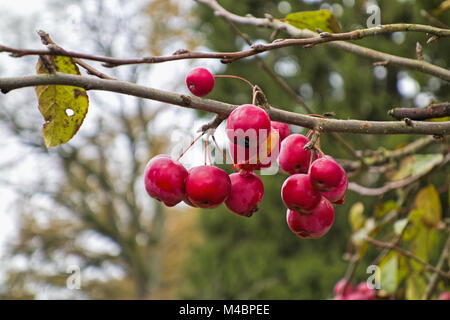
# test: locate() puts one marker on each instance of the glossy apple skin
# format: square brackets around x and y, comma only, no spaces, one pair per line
[164,180]
[283,129]
[337,195]
[254,158]
[207,186]
[248,119]
[293,158]
[326,174]
[298,193]
[339,288]
[200,81]
[444,296]
[361,292]
[247,191]
[313,225]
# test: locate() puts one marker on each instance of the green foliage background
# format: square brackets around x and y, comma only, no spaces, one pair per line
[259,258]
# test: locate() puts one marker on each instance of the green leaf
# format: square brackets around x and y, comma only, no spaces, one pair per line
[425,162]
[423,243]
[63,107]
[415,287]
[427,199]
[356,216]
[357,237]
[403,268]
[313,20]
[383,208]
[389,272]
[417,164]
[413,228]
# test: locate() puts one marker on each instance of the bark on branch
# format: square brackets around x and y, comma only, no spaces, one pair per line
[223,109]
[276,24]
[437,110]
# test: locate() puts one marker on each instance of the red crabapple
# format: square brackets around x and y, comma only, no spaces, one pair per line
[283,129]
[293,158]
[339,288]
[444,296]
[298,193]
[365,292]
[207,186]
[326,174]
[337,195]
[247,122]
[247,191]
[313,225]
[258,157]
[164,180]
[200,81]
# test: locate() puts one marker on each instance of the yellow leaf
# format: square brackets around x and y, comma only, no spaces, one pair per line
[356,216]
[428,200]
[444,6]
[313,20]
[389,272]
[415,287]
[63,107]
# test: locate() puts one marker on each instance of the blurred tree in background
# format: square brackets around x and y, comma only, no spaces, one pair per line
[98,217]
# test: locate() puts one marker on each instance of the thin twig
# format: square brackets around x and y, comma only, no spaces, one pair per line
[437,110]
[435,277]
[313,38]
[46,40]
[408,254]
[433,20]
[395,184]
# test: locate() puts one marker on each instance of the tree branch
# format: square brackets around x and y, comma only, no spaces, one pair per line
[408,254]
[312,39]
[221,108]
[437,110]
[275,24]
[394,184]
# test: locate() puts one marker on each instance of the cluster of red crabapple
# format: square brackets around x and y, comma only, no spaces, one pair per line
[316,180]
[344,291]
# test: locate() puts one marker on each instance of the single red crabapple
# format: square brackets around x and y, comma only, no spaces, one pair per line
[164,179]
[293,158]
[283,129]
[298,193]
[365,292]
[325,174]
[339,288]
[337,195]
[247,122]
[444,296]
[247,191]
[200,81]
[207,186]
[313,225]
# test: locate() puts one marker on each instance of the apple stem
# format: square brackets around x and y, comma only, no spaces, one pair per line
[224,154]
[234,77]
[190,145]
[207,152]
[311,159]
